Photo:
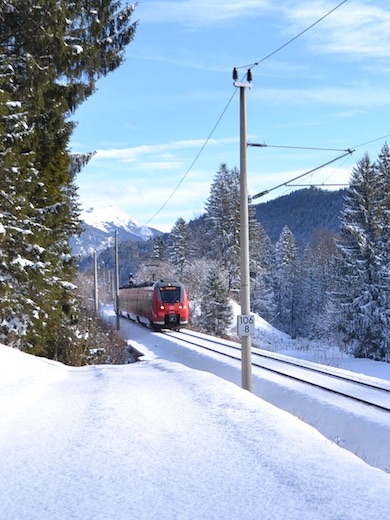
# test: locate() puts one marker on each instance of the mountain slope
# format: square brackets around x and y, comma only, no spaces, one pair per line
[304,211]
[100,224]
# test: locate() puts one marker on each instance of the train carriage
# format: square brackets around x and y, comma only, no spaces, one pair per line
[159,305]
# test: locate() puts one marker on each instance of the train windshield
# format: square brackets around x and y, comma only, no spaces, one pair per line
[170,294]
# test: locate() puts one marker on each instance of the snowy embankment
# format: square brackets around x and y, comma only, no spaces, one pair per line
[358,428]
[159,440]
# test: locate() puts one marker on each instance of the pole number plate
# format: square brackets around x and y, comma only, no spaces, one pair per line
[246,325]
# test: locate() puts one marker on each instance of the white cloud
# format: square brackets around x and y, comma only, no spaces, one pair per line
[356,29]
[135,153]
[353,95]
[199,13]
[163,165]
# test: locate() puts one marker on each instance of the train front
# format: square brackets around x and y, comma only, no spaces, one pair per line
[170,305]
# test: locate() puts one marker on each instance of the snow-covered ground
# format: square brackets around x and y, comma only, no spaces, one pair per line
[166,439]
[362,430]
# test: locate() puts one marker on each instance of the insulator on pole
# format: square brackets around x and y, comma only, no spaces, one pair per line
[249,75]
[235,74]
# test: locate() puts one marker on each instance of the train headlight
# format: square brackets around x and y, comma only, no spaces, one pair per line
[162,306]
[180,306]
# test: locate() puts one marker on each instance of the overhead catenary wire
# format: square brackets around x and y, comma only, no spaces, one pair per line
[229,102]
[372,141]
[194,160]
[265,192]
[256,63]
[311,171]
[324,183]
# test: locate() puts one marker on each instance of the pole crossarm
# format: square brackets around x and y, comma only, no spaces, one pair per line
[314,185]
[264,145]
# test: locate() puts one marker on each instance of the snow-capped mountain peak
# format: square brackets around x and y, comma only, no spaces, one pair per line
[99,226]
[105,218]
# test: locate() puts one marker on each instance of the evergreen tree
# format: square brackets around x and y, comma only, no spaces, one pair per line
[316,276]
[216,313]
[223,231]
[179,245]
[159,248]
[51,54]
[287,262]
[18,256]
[362,297]
[223,213]
[199,233]
[383,248]
[262,270]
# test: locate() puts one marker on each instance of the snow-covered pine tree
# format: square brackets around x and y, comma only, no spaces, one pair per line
[262,271]
[316,277]
[223,231]
[199,231]
[216,312]
[16,255]
[159,249]
[287,264]
[179,245]
[223,214]
[51,54]
[363,293]
[383,165]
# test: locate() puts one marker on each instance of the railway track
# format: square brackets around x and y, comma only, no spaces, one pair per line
[368,391]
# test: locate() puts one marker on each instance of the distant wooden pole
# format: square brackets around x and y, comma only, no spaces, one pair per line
[117,281]
[95,284]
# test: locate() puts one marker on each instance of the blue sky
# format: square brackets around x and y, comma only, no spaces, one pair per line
[150,119]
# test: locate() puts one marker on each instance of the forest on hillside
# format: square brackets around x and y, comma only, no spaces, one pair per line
[306,211]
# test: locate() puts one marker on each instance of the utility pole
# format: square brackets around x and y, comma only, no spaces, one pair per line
[245,323]
[95,284]
[117,281]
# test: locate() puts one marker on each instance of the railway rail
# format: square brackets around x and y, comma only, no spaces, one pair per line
[368,391]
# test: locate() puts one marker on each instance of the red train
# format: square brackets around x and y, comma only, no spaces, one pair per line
[160,305]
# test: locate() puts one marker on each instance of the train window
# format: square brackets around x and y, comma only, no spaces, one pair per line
[170,294]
